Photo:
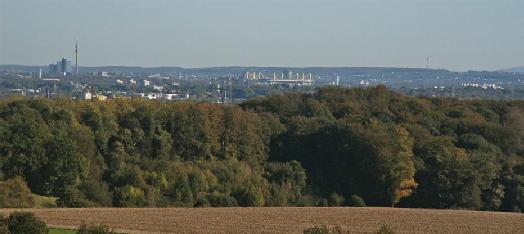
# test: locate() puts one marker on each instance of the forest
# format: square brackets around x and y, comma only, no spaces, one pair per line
[331,147]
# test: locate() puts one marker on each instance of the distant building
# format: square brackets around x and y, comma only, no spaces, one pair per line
[158,88]
[482,86]
[100,97]
[170,96]
[280,79]
[152,96]
[147,82]
[87,95]
[62,67]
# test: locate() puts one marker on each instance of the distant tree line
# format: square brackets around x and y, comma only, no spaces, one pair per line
[329,148]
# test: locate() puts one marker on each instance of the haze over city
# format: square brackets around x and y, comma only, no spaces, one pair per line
[456,35]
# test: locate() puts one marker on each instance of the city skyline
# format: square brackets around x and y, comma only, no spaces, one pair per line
[455,35]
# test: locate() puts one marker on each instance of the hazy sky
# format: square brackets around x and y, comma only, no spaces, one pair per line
[455,34]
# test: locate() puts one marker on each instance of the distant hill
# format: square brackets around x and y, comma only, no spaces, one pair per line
[226,70]
[515,69]
[22,68]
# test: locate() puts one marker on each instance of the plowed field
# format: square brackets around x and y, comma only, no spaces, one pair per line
[282,220]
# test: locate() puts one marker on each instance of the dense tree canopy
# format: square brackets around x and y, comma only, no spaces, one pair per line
[332,147]
[388,148]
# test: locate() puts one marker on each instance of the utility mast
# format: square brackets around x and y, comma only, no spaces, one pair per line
[427,63]
[76,57]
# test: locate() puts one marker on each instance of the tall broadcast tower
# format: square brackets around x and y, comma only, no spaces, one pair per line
[76,57]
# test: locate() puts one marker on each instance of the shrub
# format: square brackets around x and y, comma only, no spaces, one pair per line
[325,230]
[322,202]
[221,200]
[336,199]
[384,229]
[307,200]
[15,193]
[25,223]
[202,202]
[357,201]
[129,196]
[94,229]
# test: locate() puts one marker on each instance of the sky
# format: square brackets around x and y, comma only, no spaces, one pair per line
[455,34]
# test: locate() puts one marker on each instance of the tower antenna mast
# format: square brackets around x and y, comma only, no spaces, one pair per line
[76,57]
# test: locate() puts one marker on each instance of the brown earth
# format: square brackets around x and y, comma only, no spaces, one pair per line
[282,220]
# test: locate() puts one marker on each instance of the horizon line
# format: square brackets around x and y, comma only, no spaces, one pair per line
[255,66]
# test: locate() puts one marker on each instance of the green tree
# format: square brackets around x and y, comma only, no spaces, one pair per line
[25,223]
